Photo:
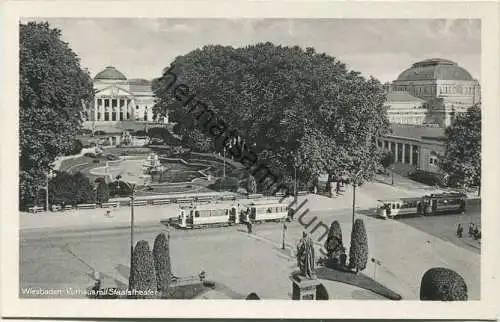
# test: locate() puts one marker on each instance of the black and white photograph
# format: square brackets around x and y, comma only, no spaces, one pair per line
[212,158]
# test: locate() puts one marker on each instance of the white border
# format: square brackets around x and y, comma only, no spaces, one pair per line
[485,309]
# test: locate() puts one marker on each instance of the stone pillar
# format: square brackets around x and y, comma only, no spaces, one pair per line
[395,152]
[403,153]
[411,154]
[303,288]
[95,109]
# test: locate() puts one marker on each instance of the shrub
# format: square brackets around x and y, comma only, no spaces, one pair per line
[442,284]
[321,293]
[142,273]
[358,253]
[161,254]
[252,296]
[334,243]
[228,183]
[252,185]
[427,178]
[102,192]
[119,188]
[100,132]
[76,148]
[70,189]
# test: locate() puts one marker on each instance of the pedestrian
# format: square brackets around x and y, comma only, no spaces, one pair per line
[460,230]
[249,226]
[471,229]
[476,233]
[315,190]
[337,188]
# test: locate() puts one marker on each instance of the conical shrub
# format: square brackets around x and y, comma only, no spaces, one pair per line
[442,284]
[161,255]
[334,240]
[358,253]
[142,281]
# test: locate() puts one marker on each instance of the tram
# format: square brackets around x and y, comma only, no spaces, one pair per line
[263,212]
[203,215]
[427,205]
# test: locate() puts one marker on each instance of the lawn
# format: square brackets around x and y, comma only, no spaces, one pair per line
[360,280]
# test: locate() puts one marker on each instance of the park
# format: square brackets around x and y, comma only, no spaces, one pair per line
[172,203]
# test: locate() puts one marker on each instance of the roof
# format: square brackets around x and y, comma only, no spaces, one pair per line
[403,97]
[110,73]
[435,69]
[416,132]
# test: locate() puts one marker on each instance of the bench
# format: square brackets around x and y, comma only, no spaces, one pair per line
[161,201]
[35,209]
[228,197]
[280,194]
[110,205]
[139,202]
[255,196]
[68,207]
[86,206]
[185,200]
[56,207]
[302,193]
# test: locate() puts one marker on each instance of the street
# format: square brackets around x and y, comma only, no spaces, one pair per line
[255,262]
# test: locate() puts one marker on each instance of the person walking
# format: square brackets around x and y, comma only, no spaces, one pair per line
[337,188]
[471,229]
[460,231]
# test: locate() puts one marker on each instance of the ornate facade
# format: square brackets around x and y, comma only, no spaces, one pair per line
[440,87]
[120,99]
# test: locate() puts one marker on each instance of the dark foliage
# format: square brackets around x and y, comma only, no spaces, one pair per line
[442,284]
[387,159]
[252,296]
[53,93]
[102,192]
[226,184]
[119,189]
[321,293]
[358,253]
[251,185]
[161,254]
[165,135]
[142,274]
[70,189]
[76,148]
[428,178]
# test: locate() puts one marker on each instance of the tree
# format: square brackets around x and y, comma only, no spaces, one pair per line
[53,93]
[161,254]
[252,185]
[334,244]
[285,102]
[462,159]
[142,273]
[358,253]
[70,189]
[102,192]
[387,159]
[442,284]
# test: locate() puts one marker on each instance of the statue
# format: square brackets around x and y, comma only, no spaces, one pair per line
[305,256]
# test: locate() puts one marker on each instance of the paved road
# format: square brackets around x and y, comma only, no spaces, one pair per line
[246,263]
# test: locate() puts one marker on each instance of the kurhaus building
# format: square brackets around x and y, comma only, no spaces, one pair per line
[120,99]
[431,92]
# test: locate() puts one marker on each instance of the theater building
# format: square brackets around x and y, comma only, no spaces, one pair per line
[118,99]
[437,88]
[414,147]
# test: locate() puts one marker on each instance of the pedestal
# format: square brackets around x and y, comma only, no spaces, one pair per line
[303,288]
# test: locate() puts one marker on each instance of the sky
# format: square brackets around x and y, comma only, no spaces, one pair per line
[383,48]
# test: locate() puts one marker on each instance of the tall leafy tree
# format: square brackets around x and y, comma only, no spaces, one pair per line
[462,158]
[295,107]
[252,184]
[54,92]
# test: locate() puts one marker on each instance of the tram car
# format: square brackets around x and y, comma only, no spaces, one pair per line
[427,205]
[204,215]
[263,212]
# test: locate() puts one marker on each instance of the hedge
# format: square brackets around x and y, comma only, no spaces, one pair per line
[428,178]
[227,184]
[442,284]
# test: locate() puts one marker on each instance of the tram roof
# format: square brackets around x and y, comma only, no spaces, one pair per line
[210,206]
[263,205]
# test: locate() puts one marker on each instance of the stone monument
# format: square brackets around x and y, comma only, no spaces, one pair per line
[304,282]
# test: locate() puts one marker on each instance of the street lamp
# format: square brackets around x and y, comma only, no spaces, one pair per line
[392,174]
[132,186]
[355,178]
[284,234]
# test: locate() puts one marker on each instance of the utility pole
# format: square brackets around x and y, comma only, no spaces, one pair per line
[132,200]
[284,234]
[47,192]
[224,158]
[354,182]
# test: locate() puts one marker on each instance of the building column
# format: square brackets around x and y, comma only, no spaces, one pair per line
[411,154]
[120,109]
[395,151]
[403,153]
[95,109]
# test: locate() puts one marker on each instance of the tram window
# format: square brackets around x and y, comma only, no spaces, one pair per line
[397,206]
[196,214]
[393,206]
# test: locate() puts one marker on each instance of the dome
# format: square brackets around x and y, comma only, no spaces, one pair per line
[435,69]
[110,73]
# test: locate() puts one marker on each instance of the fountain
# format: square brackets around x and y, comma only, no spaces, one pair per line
[152,164]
